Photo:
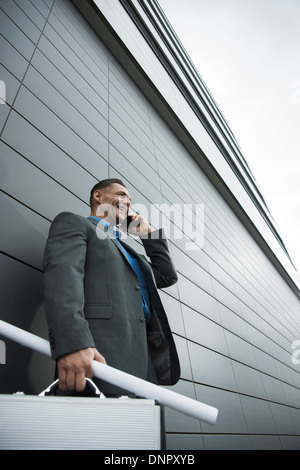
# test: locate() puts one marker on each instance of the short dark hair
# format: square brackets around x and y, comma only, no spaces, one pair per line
[103,184]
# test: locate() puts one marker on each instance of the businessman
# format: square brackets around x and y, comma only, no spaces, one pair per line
[101,296]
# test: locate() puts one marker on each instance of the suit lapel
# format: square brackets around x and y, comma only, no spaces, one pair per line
[150,279]
[110,235]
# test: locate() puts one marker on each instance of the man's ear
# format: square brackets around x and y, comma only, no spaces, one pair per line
[97,196]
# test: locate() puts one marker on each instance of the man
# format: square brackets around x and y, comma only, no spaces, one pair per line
[101,297]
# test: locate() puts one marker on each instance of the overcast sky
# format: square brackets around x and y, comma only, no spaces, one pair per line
[248,54]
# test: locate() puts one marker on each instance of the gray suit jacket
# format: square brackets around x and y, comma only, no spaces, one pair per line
[92,298]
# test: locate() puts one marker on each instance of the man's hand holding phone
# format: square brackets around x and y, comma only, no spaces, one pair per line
[137,225]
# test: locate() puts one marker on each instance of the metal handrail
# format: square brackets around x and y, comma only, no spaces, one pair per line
[121,379]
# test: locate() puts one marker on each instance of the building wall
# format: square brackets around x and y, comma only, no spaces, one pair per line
[73,117]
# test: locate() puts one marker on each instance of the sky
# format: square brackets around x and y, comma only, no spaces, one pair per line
[248,54]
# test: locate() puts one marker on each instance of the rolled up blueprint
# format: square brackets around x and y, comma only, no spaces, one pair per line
[140,387]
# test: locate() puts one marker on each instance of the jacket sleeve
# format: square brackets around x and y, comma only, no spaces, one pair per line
[156,247]
[64,261]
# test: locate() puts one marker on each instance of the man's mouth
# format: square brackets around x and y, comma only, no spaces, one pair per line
[122,209]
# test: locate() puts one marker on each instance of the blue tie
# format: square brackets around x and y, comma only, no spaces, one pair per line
[143,283]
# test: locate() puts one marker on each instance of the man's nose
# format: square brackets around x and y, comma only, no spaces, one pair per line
[125,200]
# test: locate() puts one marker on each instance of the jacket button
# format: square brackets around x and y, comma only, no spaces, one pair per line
[137,287]
[142,319]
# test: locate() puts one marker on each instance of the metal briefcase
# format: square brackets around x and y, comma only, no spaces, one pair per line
[68,422]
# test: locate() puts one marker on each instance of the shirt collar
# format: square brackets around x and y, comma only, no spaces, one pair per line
[108,226]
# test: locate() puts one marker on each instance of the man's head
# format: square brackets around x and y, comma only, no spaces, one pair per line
[110,200]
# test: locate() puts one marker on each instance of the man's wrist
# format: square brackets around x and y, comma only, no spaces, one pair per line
[154,234]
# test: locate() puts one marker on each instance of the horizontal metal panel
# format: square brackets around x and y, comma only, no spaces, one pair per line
[266,363]
[82,80]
[47,122]
[176,178]
[27,282]
[11,85]
[226,297]
[49,3]
[291,392]
[258,416]
[240,350]
[28,141]
[193,267]
[163,139]
[42,7]
[126,107]
[53,45]
[131,132]
[187,242]
[22,20]
[173,196]
[26,183]
[266,442]
[132,147]
[258,339]
[122,86]
[233,322]
[195,297]
[249,380]
[21,290]
[231,419]
[15,36]
[171,176]
[290,442]
[227,442]
[96,113]
[203,331]
[95,133]
[4,111]
[184,442]
[78,28]
[24,234]
[12,59]
[33,13]
[83,41]
[129,171]
[211,368]
[273,389]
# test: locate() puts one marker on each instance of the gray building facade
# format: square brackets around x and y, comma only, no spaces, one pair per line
[97,89]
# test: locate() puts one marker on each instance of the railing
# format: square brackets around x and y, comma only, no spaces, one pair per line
[126,381]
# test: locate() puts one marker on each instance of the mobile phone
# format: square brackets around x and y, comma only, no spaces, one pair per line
[127,220]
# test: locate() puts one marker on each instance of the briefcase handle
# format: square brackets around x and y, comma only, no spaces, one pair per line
[91,390]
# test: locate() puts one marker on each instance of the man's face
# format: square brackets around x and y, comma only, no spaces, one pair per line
[114,204]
